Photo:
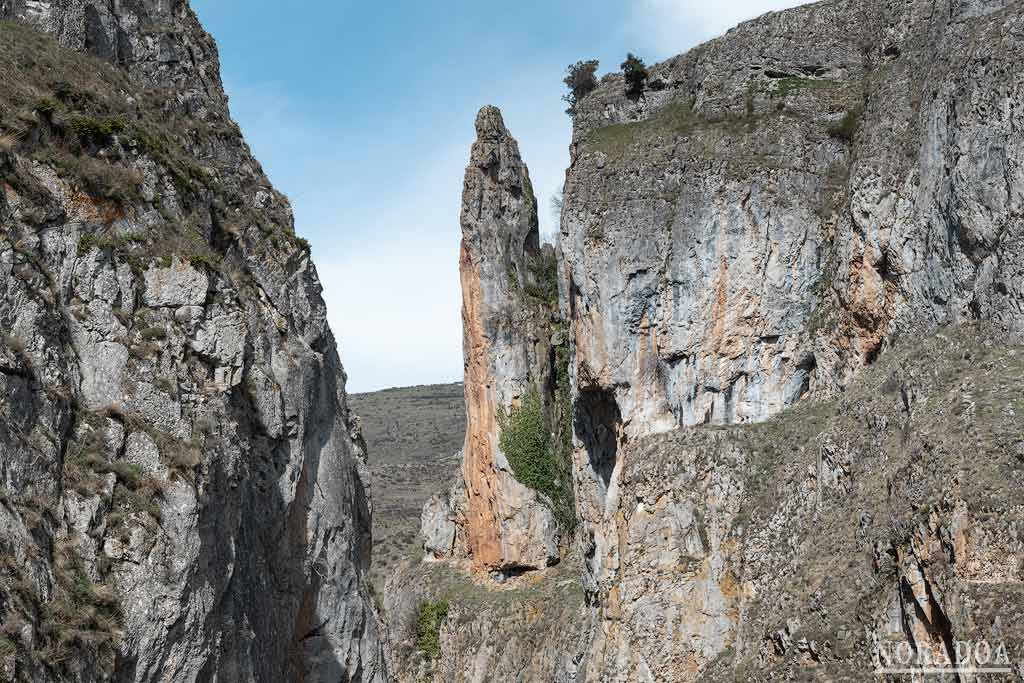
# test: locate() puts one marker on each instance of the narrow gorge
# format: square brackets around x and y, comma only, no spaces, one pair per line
[755,414]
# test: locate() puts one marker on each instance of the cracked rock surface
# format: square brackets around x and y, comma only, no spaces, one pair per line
[183,484]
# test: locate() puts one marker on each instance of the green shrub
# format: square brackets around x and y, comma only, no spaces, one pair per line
[155,332]
[428,627]
[45,105]
[525,441]
[565,504]
[847,127]
[635,72]
[63,90]
[96,131]
[536,462]
[128,474]
[581,80]
[544,284]
[86,243]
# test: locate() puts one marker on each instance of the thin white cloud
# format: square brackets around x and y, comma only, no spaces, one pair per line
[679,24]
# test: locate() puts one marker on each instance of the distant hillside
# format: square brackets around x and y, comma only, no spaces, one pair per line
[413,436]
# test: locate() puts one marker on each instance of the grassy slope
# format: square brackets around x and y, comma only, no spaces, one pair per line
[413,435]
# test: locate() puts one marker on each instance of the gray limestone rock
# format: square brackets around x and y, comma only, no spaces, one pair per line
[510,298]
[183,487]
[780,207]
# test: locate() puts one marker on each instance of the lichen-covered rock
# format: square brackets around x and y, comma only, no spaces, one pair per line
[182,483]
[177,285]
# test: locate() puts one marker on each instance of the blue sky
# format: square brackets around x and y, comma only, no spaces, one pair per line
[362,113]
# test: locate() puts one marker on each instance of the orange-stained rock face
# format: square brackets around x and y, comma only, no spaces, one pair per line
[730,252]
[482,524]
[507,353]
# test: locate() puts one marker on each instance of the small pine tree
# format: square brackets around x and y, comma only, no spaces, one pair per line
[581,80]
[635,72]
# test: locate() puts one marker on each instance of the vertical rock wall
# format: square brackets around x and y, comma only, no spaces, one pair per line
[777,208]
[509,306]
[183,486]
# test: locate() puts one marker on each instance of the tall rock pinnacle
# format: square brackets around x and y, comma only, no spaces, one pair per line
[504,513]
[503,358]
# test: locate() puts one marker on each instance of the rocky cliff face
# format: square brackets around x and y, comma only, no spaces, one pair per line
[782,470]
[878,530]
[497,516]
[782,202]
[778,208]
[183,487]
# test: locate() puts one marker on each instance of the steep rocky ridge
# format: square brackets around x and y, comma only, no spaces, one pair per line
[814,545]
[811,546]
[778,208]
[795,447]
[183,486]
[497,517]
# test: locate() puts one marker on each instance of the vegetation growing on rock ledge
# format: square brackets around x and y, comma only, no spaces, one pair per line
[846,128]
[793,84]
[537,462]
[544,284]
[432,615]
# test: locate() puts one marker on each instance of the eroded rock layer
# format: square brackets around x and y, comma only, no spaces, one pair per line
[877,531]
[183,487]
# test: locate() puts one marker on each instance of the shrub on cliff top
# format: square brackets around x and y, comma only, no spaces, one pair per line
[582,80]
[636,75]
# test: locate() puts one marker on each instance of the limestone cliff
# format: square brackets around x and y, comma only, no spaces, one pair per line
[791,275]
[501,514]
[183,488]
[875,530]
[776,210]
[782,202]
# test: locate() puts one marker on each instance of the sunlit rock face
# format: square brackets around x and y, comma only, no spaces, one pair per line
[506,345]
[183,484]
[784,201]
[778,209]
